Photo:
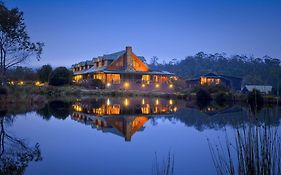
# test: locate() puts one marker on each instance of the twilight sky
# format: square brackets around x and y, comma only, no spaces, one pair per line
[76,30]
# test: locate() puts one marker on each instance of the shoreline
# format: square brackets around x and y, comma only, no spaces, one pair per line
[34,94]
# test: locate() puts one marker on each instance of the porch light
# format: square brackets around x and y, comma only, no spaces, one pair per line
[157,101]
[142,101]
[157,85]
[171,102]
[108,102]
[126,85]
[126,102]
[171,86]
[108,85]
[143,85]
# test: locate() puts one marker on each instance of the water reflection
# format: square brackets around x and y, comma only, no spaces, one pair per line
[15,153]
[123,117]
[126,116]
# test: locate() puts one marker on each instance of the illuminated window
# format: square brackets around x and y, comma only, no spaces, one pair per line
[156,78]
[145,79]
[78,77]
[113,78]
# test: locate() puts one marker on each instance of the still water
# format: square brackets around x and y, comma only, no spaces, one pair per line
[120,135]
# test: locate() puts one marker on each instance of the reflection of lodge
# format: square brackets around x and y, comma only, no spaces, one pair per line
[125,118]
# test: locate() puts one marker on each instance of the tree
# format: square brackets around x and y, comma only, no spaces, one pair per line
[15,153]
[60,76]
[19,73]
[154,60]
[44,73]
[15,44]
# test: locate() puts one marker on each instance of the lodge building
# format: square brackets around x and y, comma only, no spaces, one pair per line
[123,70]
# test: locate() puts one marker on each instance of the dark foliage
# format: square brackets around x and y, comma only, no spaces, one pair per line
[44,73]
[21,74]
[60,76]
[3,91]
[203,98]
[93,83]
[222,98]
[60,109]
[253,70]
[255,99]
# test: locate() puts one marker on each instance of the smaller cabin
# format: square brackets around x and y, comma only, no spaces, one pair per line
[214,79]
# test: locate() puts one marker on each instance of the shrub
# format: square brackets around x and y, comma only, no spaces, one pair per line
[255,99]
[44,72]
[93,83]
[3,91]
[60,76]
[203,98]
[222,97]
[202,94]
[60,109]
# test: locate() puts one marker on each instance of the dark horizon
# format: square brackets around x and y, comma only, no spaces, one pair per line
[75,31]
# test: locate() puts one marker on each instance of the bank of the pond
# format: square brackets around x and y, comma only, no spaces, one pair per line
[35,94]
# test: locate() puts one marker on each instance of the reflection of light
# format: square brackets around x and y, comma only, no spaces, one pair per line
[171,86]
[77,108]
[157,85]
[142,101]
[126,85]
[21,83]
[171,102]
[175,109]
[108,102]
[108,84]
[157,101]
[126,102]
[38,83]
[145,109]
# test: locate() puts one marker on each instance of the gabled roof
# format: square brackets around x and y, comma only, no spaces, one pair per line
[113,56]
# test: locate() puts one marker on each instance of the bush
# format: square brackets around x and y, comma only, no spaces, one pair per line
[222,97]
[44,72]
[60,76]
[93,83]
[202,94]
[3,91]
[203,98]
[255,99]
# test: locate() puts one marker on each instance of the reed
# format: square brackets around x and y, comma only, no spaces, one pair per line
[165,167]
[255,151]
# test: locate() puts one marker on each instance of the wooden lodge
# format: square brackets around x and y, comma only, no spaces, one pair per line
[123,70]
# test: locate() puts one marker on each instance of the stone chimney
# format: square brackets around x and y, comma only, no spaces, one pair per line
[129,59]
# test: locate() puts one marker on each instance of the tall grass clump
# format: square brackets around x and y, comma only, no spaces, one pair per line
[166,167]
[255,151]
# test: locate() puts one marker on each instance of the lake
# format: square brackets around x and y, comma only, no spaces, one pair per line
[123,135]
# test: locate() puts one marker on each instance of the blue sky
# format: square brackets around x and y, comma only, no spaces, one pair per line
[76,30]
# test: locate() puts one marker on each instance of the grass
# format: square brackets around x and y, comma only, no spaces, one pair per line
[166,167]
[256,151]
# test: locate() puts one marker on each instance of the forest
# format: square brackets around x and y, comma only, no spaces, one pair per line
[253,70]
